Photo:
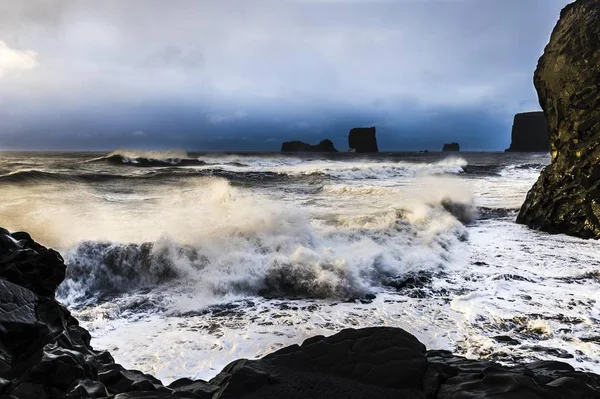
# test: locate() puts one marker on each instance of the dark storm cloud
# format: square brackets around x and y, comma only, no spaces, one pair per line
[247,75]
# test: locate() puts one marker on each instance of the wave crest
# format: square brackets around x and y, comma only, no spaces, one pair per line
[146,159]
[380,170]
[98,269]
[27,175]
[247,245]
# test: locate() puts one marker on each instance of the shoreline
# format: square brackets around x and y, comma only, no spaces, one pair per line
[359,362]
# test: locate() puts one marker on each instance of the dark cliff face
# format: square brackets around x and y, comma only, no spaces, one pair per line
[299,146]
[566,198]
[451,147]
[363,139]
[530,133]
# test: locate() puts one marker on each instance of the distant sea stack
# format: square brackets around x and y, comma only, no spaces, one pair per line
[448,147]
[530,133]
[566,197]
[363,139]
[299,146]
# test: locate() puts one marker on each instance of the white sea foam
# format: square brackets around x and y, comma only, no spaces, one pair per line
[346,169]
[483,299]
[227,241]
[188,302]
[368,169]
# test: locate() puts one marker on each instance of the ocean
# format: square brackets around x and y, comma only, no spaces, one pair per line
[180,263]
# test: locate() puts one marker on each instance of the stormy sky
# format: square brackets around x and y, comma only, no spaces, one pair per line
[247,75]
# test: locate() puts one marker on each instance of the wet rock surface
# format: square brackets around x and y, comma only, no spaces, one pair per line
[44,353]
[566,197]
[529,133]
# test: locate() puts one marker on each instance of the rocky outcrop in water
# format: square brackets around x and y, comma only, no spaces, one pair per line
[529,133]
[299,146]
[566,197]
[44,353]
[363,139]
[449,147]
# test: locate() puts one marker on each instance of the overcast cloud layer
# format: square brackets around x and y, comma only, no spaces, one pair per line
[247,75]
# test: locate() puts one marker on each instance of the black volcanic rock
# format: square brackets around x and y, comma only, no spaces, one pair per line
[363,139]
[44,353]
[384,362]
[299,146]
[529,133]
[40,270]
[566,197]
[451,147]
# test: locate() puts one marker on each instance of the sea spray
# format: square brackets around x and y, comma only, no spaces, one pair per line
[231,242]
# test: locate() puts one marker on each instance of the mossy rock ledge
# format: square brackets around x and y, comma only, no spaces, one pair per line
[566,197]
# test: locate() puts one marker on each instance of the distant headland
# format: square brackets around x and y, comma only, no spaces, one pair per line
[360,140]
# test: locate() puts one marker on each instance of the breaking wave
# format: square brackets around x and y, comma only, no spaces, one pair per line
[40,176]
[23,176]
[232,243]
[483,170]
[168,165]
[518,170]
[352,190]
[379,170]
[146,159]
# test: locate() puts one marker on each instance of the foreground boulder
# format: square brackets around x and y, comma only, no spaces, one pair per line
[529,133]
[566,197]
[44,353]
[363,139]
[451,147]
[299,146]
[384,362]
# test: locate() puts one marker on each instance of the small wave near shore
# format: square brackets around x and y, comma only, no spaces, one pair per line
[149,159]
